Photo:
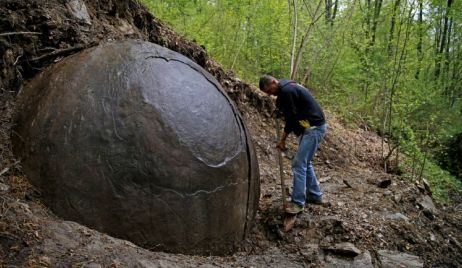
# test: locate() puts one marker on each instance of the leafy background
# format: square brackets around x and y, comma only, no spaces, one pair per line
[392,66]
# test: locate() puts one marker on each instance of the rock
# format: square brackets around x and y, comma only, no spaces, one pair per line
[426,204]
[397,216]
[394,259]
[126,28]
[78,9]
[92,265]
[363,260]
[139,142]
[4,188]
[328,239]
[345,249]
[387,193]
[384,183]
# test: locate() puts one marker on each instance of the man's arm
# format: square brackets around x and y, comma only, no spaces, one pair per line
[290,112]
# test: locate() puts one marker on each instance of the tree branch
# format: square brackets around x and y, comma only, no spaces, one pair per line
[19,33]
[59,52]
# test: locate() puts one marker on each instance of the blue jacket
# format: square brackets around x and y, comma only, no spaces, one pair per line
[296,103]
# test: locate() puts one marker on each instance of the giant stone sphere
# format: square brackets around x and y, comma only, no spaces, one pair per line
[138,141]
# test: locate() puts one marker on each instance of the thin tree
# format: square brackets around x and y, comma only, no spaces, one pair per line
[294,23]
[314,18]
[443,40]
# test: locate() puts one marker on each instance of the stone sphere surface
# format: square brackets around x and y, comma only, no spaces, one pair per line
[138,141]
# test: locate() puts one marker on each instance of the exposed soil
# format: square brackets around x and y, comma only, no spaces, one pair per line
[35,34]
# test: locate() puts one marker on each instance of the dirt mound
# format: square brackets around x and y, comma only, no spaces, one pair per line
[398,216]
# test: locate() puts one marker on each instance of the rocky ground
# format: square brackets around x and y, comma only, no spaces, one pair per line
[371,218]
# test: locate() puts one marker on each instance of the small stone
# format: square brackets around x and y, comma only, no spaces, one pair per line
[78,9]
[427,205]
[397,216]
[345,249]
[392,259]
[92,265]
[387,193]
[328,239]
[363,261]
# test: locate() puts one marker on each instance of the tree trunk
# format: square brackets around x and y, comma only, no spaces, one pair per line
[328,12]
[334,13]
[419,44]
[294,36]
[456,76]
[398,62]
[443,40]
[375,19]
[392,28]
[447,62]
[304,40]
[307,76]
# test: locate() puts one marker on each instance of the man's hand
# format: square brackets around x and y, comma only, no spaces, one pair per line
[281,145]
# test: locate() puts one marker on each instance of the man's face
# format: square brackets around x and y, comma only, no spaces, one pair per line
[272,88]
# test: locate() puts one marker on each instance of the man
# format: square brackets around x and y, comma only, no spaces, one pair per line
[304,117]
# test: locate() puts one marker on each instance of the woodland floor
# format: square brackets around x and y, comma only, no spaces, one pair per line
[348,166]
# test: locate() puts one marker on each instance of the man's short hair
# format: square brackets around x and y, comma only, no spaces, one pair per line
[265,80]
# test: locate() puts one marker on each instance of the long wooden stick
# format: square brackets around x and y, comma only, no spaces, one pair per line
[281,167]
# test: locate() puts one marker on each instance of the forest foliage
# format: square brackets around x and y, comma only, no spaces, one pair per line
[394,66]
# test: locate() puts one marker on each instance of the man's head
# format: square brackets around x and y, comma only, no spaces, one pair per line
[269,84]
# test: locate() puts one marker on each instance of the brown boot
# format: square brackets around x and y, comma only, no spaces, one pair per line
[293,208]
[315,201]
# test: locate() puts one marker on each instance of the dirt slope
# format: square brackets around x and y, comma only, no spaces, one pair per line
[399,217]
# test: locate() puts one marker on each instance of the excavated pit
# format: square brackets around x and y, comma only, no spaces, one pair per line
[135,140]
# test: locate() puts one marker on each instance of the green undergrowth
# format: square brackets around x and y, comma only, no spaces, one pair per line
[442,183]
